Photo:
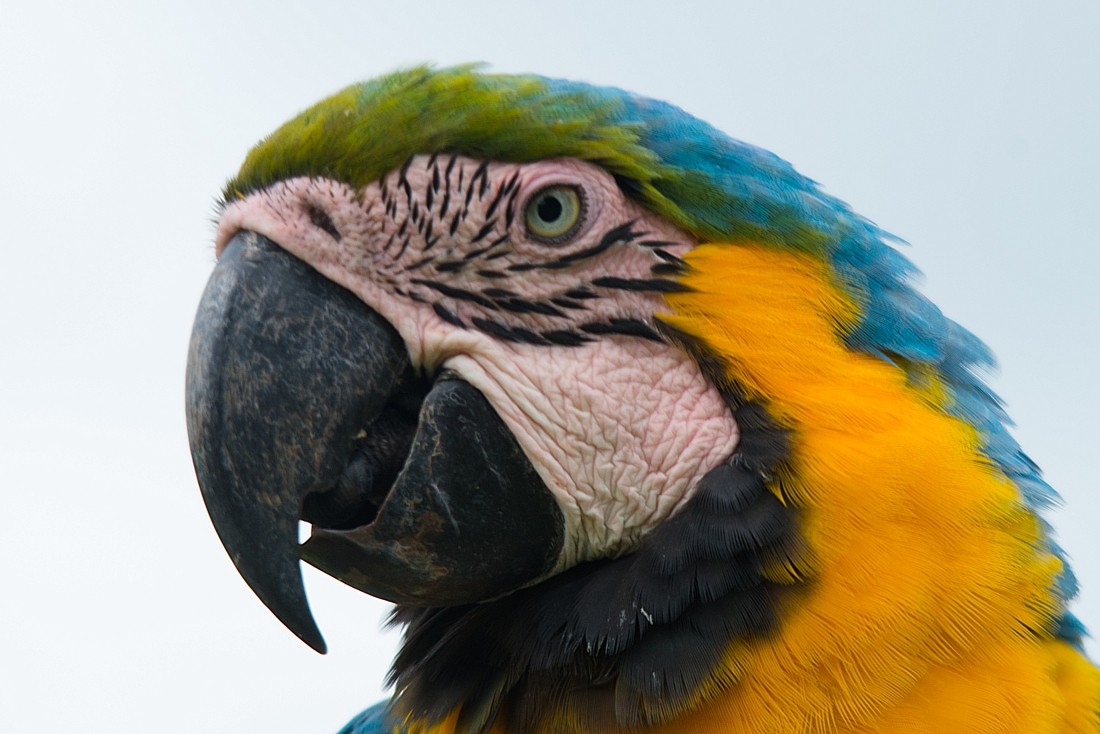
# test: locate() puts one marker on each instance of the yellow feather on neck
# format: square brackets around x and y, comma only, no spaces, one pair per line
[929,602]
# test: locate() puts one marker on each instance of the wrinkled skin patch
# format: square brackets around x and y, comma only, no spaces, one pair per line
[560,337]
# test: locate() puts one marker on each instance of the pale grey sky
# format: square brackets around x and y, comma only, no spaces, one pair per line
[968,129]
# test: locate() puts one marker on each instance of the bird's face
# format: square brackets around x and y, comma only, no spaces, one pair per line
[629,417]
[513,351]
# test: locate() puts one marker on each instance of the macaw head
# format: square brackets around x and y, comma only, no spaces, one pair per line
[601,398]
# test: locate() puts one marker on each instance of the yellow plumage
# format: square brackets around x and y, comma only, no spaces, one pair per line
[930,603]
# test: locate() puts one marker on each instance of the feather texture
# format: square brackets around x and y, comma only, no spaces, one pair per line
[935,602]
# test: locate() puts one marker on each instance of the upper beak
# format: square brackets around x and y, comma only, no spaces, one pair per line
[301,405]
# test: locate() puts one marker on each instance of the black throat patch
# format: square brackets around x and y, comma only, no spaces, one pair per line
[617,644]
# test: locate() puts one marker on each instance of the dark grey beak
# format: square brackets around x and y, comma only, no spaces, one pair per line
[301,405]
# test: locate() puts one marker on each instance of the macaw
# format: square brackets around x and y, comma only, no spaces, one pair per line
[640,429]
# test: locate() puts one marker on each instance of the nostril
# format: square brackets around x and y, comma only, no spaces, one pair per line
[320,219]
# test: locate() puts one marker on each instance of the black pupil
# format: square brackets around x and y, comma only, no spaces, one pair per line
[549,208]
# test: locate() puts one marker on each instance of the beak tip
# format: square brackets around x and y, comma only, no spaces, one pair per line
[299,620]
[281,588]
[293,611]
[313,638]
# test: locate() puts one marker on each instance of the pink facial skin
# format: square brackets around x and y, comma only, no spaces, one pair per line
[560,338]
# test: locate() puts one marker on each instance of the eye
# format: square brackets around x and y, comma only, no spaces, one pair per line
[555,214]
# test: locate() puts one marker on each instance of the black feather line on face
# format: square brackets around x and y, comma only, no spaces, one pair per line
[644,285]
[451,266]
[618,643]
[624,327]
[621,235]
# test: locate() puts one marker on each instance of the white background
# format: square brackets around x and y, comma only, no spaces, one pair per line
[972,133]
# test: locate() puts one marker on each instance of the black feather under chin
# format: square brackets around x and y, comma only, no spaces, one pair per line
[615,643]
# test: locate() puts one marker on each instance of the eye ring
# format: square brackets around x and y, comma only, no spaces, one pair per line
[554,214]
